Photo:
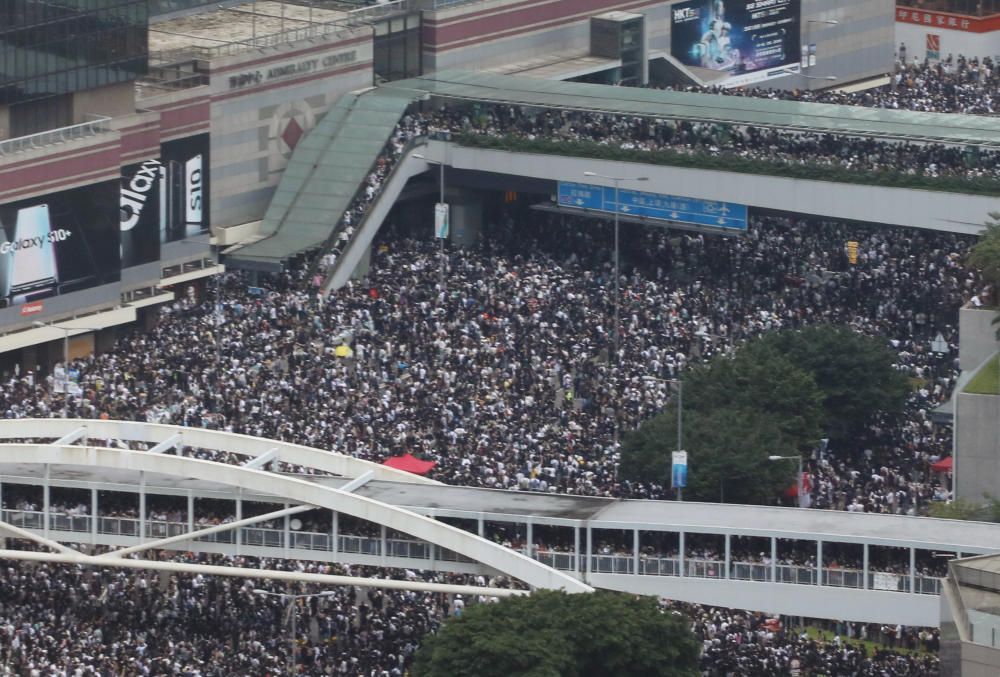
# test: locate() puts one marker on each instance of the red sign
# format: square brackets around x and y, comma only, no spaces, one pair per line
[955,22]
[32,308]
[933,42]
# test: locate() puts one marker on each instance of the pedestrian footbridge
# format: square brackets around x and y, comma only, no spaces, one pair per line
[414,523]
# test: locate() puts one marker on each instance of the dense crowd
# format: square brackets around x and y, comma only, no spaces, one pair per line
[738,643]
[504,377]
[70,620]
[953,85]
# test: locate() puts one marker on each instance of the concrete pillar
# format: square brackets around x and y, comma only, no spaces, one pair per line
[466,220]
[94,519]
[142,506]
[335,536]
[819,562]
[190,514]
[239,515]
[728,557]
[590,552]
[383,546]
[774,559]
[864,565]
[635,552]
[576,549]
[913,570]
[530,538]
[681,549]
[46,518]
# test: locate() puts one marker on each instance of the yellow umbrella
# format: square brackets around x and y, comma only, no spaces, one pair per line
[343,351]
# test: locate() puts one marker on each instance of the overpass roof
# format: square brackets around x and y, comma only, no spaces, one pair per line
[879,122]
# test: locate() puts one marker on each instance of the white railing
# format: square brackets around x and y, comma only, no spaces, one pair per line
[52,136]
[421,550]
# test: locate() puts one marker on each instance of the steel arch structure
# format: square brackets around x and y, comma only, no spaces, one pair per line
[302,492]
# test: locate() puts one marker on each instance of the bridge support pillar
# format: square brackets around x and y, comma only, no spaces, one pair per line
[635,552]
[913,570]
[335,539]
[728,557]
[576,550]
[190,515]
[93,517]
[238,536]
[683,551]
[46,517]
[774,559]
[590,552]
[864,566]
[530,538]
[142,506]
[819,562]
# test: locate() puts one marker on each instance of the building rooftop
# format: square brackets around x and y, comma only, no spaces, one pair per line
[242,25]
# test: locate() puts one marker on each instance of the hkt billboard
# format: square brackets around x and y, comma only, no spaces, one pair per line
[749,40]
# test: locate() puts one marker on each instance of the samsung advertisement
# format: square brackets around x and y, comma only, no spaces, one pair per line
[746,40]
[164,200]
[59,243]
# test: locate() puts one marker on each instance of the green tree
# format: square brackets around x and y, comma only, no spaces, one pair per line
[854,372]
[985,254]
[553,634]
[737,411]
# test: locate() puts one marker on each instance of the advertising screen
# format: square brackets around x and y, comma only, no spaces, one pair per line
[164,199]
[58,243]
[738,37]
[183,195]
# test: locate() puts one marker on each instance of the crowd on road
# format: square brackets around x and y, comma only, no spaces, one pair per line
[738,643]
[953,85]
[86,622]
[504,377]
[72,620]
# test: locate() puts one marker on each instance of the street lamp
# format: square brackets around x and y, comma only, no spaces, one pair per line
[798,485]
[617,180]
[680,415]
[291,599]
[66,330]
[440,201]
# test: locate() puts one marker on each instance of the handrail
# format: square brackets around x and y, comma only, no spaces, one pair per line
[411,143]
[60,135]
[615,563]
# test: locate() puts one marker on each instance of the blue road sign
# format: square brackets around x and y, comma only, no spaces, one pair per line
[637,203]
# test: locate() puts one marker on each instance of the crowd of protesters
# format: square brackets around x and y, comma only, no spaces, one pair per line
[90,621]
[952,85]
[504,377]
[738,643]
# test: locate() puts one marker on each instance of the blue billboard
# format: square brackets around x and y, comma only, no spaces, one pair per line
[637,203]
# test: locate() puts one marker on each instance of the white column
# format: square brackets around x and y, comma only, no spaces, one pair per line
[142,506]
[383,546]
[728,557]
[480,527]
[590,552]
[287,532]
[93,517]
[530,537]
[576,549]
[819,562]
[864,565]
[635,552]
[774,559]
[913,570]
[45,501]
[238,536]
[190,511]
[681,549]
[335,536]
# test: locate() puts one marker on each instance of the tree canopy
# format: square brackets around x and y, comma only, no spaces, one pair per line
[553,634]
[776,396]
[985,254]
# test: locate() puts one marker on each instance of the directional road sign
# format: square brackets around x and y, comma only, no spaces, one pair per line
[637,203]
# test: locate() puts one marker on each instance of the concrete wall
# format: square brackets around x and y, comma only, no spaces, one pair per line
[977,337]
[496,33]
[977,446]
[946,212]
[110,101]
[966,35]
[261,105]
[846,604]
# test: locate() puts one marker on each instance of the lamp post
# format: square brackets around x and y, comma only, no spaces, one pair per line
[292,599]
[798,484]
[617,181]
[66,330]
[440,201]
[680,416]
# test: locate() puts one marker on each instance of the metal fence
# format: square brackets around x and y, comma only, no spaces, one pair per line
[99,125]
[421,550]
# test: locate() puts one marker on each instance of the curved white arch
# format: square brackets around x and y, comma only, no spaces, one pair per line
[491,554]
[216,440]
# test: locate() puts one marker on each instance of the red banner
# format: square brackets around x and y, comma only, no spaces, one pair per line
[32,308]
[956,22]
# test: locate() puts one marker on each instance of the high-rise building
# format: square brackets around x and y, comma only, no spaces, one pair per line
[52,49]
